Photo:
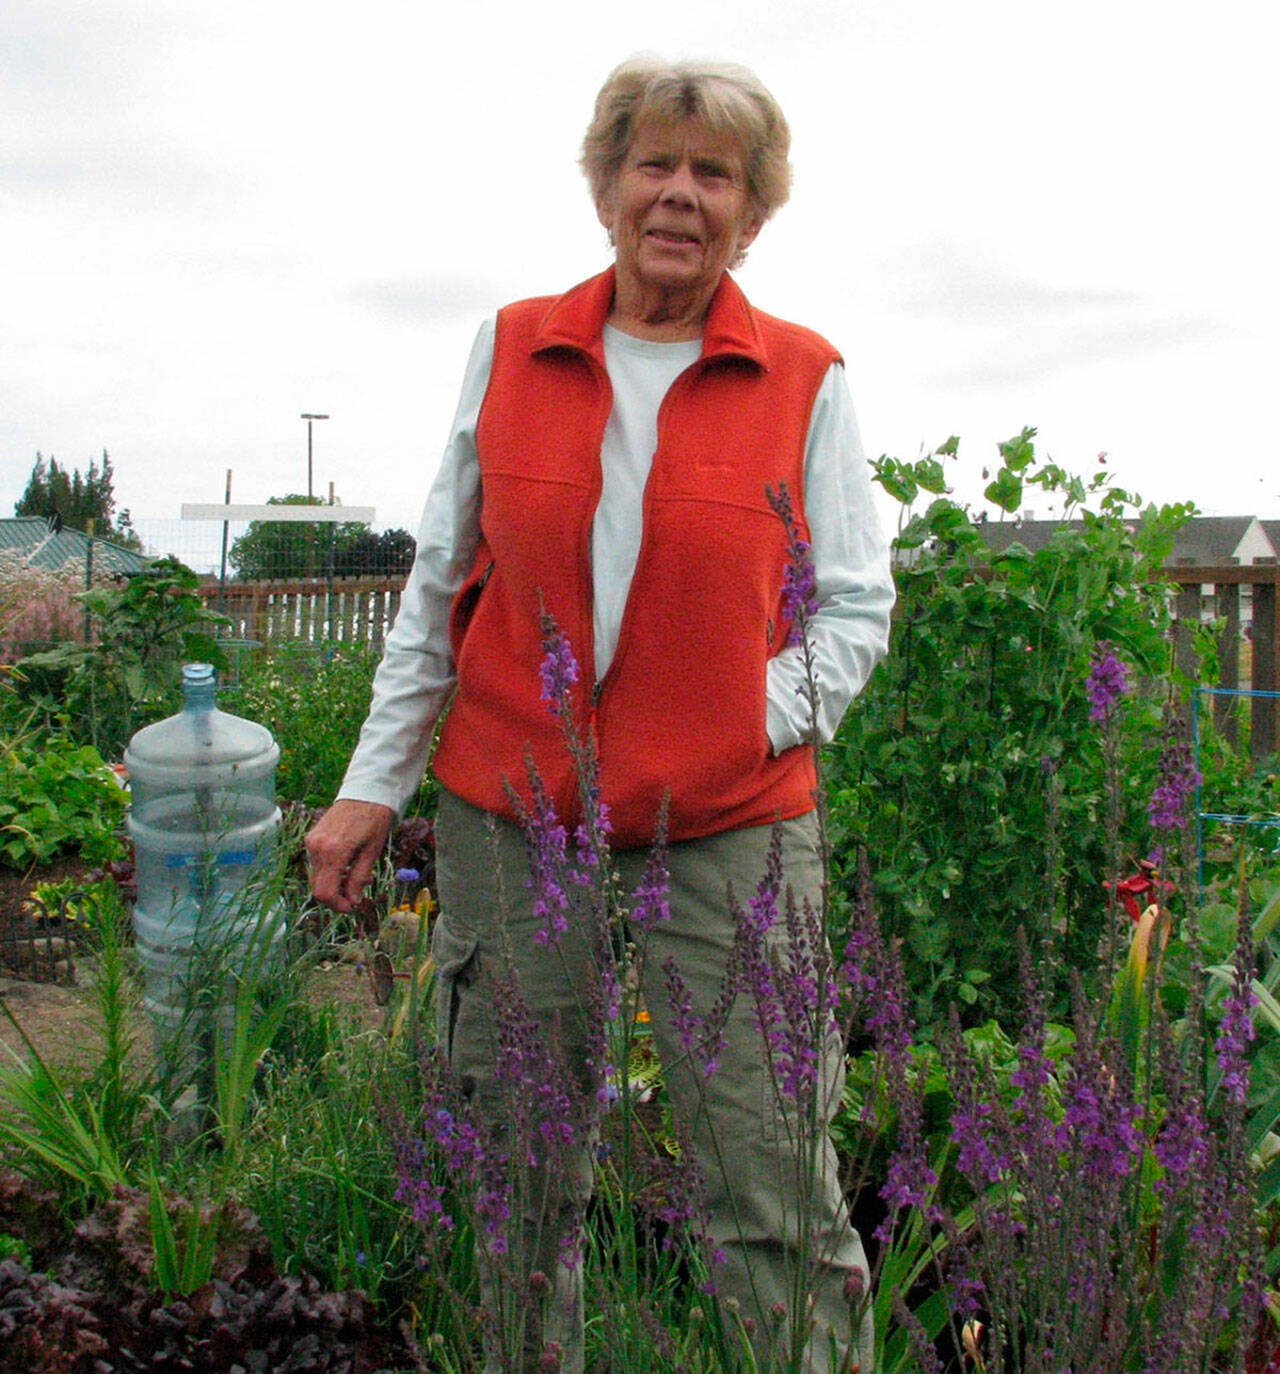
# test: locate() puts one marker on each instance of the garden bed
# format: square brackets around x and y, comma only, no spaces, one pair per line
[83,1298]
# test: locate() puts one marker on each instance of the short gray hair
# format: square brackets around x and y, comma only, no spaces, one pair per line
[728,99]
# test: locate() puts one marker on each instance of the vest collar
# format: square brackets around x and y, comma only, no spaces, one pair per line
[576,320]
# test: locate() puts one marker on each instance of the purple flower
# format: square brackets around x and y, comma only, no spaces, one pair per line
[702,1040]
[800,582]
[1107,682]
[910,1180]
[1169,807]
[1235,1029]
[546,843]
[673,1190]
[1098,1124]
[971,1129]
[686,1022]
[559,667]
[407,875]
[1181,1148]
[649,902]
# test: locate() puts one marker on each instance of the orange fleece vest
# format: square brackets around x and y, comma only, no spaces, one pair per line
[682,706]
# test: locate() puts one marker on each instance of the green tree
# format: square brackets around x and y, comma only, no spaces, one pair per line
[283,549]
[53,490]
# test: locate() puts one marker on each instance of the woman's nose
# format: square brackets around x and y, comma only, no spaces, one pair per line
[681,186]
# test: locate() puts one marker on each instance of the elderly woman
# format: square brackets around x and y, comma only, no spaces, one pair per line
[608,464]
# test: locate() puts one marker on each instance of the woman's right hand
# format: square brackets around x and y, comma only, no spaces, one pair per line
[344,847]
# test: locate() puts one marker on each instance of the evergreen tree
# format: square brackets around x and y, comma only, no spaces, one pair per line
[78,498]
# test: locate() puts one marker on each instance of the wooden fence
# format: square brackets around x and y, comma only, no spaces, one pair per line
[1241,598]
[347,610]
[1230,595]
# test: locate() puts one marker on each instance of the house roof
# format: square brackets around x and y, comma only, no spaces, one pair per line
[1204,539]
[1213,538]
[32,539]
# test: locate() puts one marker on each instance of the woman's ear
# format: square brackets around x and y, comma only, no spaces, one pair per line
[754,223]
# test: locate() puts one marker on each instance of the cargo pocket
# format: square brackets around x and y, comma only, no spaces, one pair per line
[454,953]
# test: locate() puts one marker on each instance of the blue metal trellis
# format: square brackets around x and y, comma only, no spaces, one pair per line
[1225,818]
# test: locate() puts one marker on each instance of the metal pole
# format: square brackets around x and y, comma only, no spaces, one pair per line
[222,575]
[309,417]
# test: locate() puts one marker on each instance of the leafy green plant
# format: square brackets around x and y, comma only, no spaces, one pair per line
[52,1129]
[970,770]
[14,1247]
[145,629]
[56,795]
[314,708]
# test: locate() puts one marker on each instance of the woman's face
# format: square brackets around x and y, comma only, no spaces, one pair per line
[679,210]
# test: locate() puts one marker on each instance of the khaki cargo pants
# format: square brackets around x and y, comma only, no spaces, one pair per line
[751,1159]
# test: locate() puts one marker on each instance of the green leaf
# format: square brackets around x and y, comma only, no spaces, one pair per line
[1268,1185]
[899,485]
[1006,490]
[1019,452]
[929,474]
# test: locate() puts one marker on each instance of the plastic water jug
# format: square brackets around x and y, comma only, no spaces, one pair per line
[203,818]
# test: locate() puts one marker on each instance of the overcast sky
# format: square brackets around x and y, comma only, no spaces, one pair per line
[1006,213]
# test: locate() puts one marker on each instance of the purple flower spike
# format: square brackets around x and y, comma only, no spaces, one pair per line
[546,843]
[1236,1030]
[1108,681]
[559,667]
[800,581]
[1169,807]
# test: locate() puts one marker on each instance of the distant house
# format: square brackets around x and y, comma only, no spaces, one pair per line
[46,545]
[1209,540]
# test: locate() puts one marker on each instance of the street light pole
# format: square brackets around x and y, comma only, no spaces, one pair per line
[309,419]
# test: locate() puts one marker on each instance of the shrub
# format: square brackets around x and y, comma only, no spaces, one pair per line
[38,607]
[56,795]
[314,710]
